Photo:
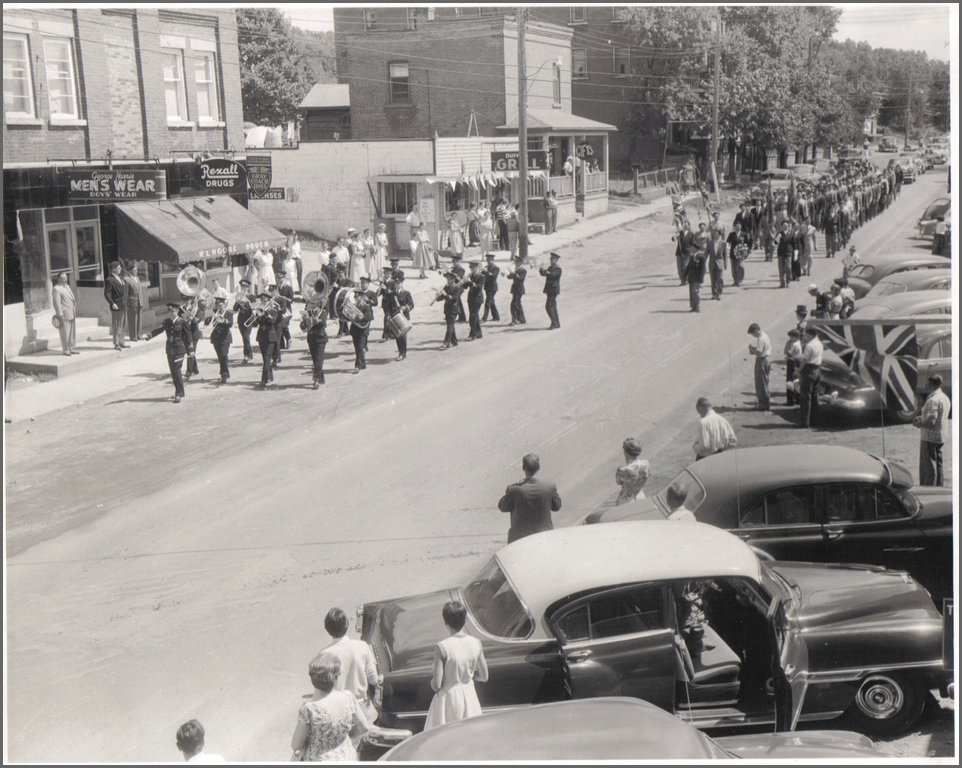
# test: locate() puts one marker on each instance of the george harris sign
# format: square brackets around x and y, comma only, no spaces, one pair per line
[115,185]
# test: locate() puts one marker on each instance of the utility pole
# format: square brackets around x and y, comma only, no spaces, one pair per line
[522,137]
[714,106]
[908,114]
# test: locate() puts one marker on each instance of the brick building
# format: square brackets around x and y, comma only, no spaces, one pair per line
[109,116]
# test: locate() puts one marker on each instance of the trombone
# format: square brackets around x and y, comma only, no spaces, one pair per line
[260,311]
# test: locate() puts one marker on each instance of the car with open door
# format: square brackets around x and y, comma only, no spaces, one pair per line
[602,610]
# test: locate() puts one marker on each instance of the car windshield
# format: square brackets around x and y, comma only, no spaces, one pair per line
[495,605]
[887,289]
[863,271]
[686,485]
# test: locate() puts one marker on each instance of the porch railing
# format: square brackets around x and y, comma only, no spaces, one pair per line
[596,182]
[563,186]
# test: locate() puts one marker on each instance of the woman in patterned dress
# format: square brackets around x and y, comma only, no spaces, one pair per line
[324,724]
[633,475]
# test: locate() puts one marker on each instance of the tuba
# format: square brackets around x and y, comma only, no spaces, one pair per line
[190,281]
[345,307]
[315,288]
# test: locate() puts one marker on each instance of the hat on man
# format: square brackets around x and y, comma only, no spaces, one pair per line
[351,230]
[399,276]
[754,328]
[220,294]
[489,256]
[474,263]
[456,257]
[813,288]
[554,255]
[263,295]
[450,274]
[801,309]
[245,282]
[793,333]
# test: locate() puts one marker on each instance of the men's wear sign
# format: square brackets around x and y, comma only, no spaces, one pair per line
[115,185]
[511,161]
[222,175]
[259,175]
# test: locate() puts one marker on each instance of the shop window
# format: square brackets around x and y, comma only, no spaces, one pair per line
[17,77]
[175,92]
[579,63]
[578,14]
[61,77]
[369,17]
[398,198]
[205,75]
[622,63]
[399,79]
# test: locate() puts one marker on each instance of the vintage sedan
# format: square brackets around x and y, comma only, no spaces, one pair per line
[872,270]
[931,215]
[589,611]
[933,302]
[906,282]
[613,728]
[820,503]
[840,387]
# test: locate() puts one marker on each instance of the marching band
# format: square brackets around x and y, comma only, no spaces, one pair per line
[329,294]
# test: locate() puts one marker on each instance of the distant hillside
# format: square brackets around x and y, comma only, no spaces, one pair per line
[318,47]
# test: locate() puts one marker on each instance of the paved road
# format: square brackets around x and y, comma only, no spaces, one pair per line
[176,562]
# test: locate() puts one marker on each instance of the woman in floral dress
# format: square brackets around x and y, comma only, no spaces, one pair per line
[634,474]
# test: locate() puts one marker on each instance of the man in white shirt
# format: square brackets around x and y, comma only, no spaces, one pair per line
[761,348]
[809,377]
[358,667]
[714,434]
[190,741]
[933,422]
[850,261]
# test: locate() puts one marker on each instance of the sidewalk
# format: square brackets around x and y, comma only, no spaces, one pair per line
[101,370]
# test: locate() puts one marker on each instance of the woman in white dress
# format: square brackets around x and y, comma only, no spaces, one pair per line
[486,224]
[455,235]
[422,254]
[265,270]
[458,660]
[380,249]
[367,240]
[289,267]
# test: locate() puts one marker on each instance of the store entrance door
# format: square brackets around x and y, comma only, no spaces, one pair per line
[73,244]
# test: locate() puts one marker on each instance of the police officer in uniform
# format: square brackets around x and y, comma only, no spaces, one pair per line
[220,335]
[552,288]
[268,336]
[242,308]
[475,281]
[490,272]
[180,343]
[517,276]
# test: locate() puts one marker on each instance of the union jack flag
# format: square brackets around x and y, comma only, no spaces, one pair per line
[885,354]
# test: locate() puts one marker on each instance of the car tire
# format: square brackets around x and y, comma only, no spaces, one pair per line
[901,417]
[887,704]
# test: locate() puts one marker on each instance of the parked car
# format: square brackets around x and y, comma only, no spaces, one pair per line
[937,209]
[841,387]
[827,504]
[588,611]
[888,145]
[935,156]
[612,728]
[850,153]
[906,282]
[914,304]
[874,269]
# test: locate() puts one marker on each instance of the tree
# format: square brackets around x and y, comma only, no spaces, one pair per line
[275,77]
[318,50]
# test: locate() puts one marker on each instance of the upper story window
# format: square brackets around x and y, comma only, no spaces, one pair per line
[175,92]
[579,63]
[416,16]
[205,75]
[622,62]
[17,77]
[61,77]
[618,15]
[369,15]
[578,14]
[556,86]
[399,79]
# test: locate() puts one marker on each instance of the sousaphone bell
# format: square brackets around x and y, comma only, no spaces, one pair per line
[191,281]
[315,287]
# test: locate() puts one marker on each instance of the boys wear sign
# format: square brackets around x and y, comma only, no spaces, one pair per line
[115,185]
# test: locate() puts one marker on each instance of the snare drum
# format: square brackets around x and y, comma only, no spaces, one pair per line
[398,325]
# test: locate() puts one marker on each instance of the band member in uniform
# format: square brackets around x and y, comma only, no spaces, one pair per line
[286,290]
[517,276]
[282,320]
[458,268]
[371,295]
[490,272]
[406,302]
[315,323]
[220,335]
[179,344]
[361,328]
[451,296]
[475,281]
[242,308]
[192,315]
[387,287]
[552,287]
[268,335]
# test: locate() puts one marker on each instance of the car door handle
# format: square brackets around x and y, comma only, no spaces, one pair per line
[904,549]
[833,533]
[578,655]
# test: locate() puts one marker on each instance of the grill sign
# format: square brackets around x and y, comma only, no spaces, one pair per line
[511,161]
[116,185]
[221,175]
[258,175]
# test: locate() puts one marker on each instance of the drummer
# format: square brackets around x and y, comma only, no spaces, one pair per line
[398,303]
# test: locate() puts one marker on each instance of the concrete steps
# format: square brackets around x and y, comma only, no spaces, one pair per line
[95,347]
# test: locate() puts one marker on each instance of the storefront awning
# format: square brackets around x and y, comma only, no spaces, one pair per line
[191,229]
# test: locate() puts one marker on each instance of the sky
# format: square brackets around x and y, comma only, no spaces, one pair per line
[908,26]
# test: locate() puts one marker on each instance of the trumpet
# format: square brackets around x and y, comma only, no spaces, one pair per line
[216,319]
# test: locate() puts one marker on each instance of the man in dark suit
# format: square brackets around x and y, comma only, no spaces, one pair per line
[220,335]
[552,287]
[517,276]
[475,281]
[242,308]
[695,272]
[286,290]
[491,272]
[115,292]
[180,343]
[268,335]
[458,268]
[787,251]
[530,501]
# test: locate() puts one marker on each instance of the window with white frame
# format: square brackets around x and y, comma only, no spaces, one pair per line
[61,77]
[578,14]
[622,63]
[175,92]
[579,63]
[369,16]
[205,76]
[399,80]
[17,77]
[556,86]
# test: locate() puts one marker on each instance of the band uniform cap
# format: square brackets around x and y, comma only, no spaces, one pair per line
[221,293]
[793,333]
[489,256]
[244,282]
[754,327]
[554,255]
[474,263]
[398,275]
[801,309]
[263,295]
[449,274]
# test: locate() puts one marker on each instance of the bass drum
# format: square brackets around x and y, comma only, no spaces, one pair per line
[398,325]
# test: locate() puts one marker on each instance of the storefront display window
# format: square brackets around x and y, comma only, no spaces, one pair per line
[33,262]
